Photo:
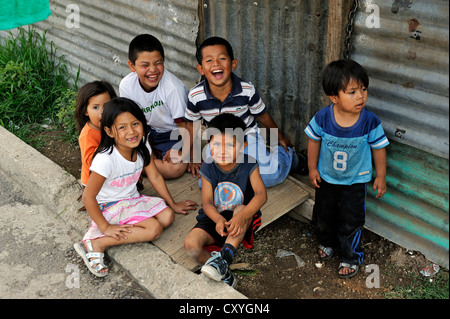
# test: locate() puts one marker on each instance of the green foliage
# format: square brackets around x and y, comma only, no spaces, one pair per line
[66,105]
[34,78]
[420,287]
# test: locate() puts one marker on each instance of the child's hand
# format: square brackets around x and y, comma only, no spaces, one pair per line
[285,142]
[236,226]
[184,206]
[221,228]
[380,183]
[117,231]
[314,177]
[173,156]
[194,168]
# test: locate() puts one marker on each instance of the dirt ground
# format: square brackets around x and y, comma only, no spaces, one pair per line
[262,274]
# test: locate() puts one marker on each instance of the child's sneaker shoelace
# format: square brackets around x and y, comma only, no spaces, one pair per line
[215,267]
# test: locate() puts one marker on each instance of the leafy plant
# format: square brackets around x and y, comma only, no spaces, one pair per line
[33,77]
[66,105]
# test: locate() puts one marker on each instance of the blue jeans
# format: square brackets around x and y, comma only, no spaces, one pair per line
[162,143]
[274,165]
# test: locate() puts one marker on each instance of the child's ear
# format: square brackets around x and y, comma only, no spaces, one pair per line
[131,66]
[234,64]
[333,98]
[108,132]
[200,69]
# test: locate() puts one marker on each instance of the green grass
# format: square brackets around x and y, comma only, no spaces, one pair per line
[34,80]
[420,287]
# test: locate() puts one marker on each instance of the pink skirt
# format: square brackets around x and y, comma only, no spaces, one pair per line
[128,211]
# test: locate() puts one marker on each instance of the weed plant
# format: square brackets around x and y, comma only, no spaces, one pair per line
[33,79]
[420,287]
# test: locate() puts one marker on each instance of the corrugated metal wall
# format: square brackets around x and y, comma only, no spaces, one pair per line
[280,47]
[407,61]
[100,43]
[414,213]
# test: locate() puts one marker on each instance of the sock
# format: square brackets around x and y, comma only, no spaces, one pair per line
[227,253]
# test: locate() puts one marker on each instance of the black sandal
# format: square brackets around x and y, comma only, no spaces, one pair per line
[347,265]
[328,251]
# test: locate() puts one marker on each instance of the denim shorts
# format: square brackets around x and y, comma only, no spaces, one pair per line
[161,142]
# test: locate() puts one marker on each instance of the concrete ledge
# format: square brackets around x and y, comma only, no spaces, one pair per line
[58,191]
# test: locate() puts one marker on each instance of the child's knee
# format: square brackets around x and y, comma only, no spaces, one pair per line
[180,168]
[157,232]
[174,170]
[192,247]
[166,217]
[153,231]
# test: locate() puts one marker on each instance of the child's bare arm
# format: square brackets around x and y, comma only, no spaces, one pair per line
[379,159]
[269,123]
[313,159]
[188,144]
[239,223]
[211,210]
[90,202]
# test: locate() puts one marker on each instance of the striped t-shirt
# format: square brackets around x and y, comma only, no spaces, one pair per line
[243,101]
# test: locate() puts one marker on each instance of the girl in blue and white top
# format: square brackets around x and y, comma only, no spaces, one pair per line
[120,215]
[343,137]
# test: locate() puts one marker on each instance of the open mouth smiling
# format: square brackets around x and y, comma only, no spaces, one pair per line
[133,139]
[152,78]
[217,74]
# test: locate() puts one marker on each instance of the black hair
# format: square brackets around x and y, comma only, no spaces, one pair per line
[214,41]
[111,110]
[339,73]
[84,94]
[144,43]
[226,122]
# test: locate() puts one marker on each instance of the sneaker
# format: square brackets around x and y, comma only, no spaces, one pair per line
[215,268]
[230,280]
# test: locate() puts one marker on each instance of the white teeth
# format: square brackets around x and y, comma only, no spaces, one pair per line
[217,71]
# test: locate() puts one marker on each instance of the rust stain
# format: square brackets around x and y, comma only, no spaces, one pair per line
[413,24]
[408,85]
[412,55]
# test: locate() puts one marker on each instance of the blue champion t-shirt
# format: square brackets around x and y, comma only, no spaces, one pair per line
[345,152]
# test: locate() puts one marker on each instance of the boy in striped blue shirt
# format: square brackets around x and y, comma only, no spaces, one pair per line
[223,92]
[343,138]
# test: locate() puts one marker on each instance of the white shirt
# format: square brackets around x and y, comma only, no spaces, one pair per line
[121,175]
[161,106]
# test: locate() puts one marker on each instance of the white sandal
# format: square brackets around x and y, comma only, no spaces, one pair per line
[91,258]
